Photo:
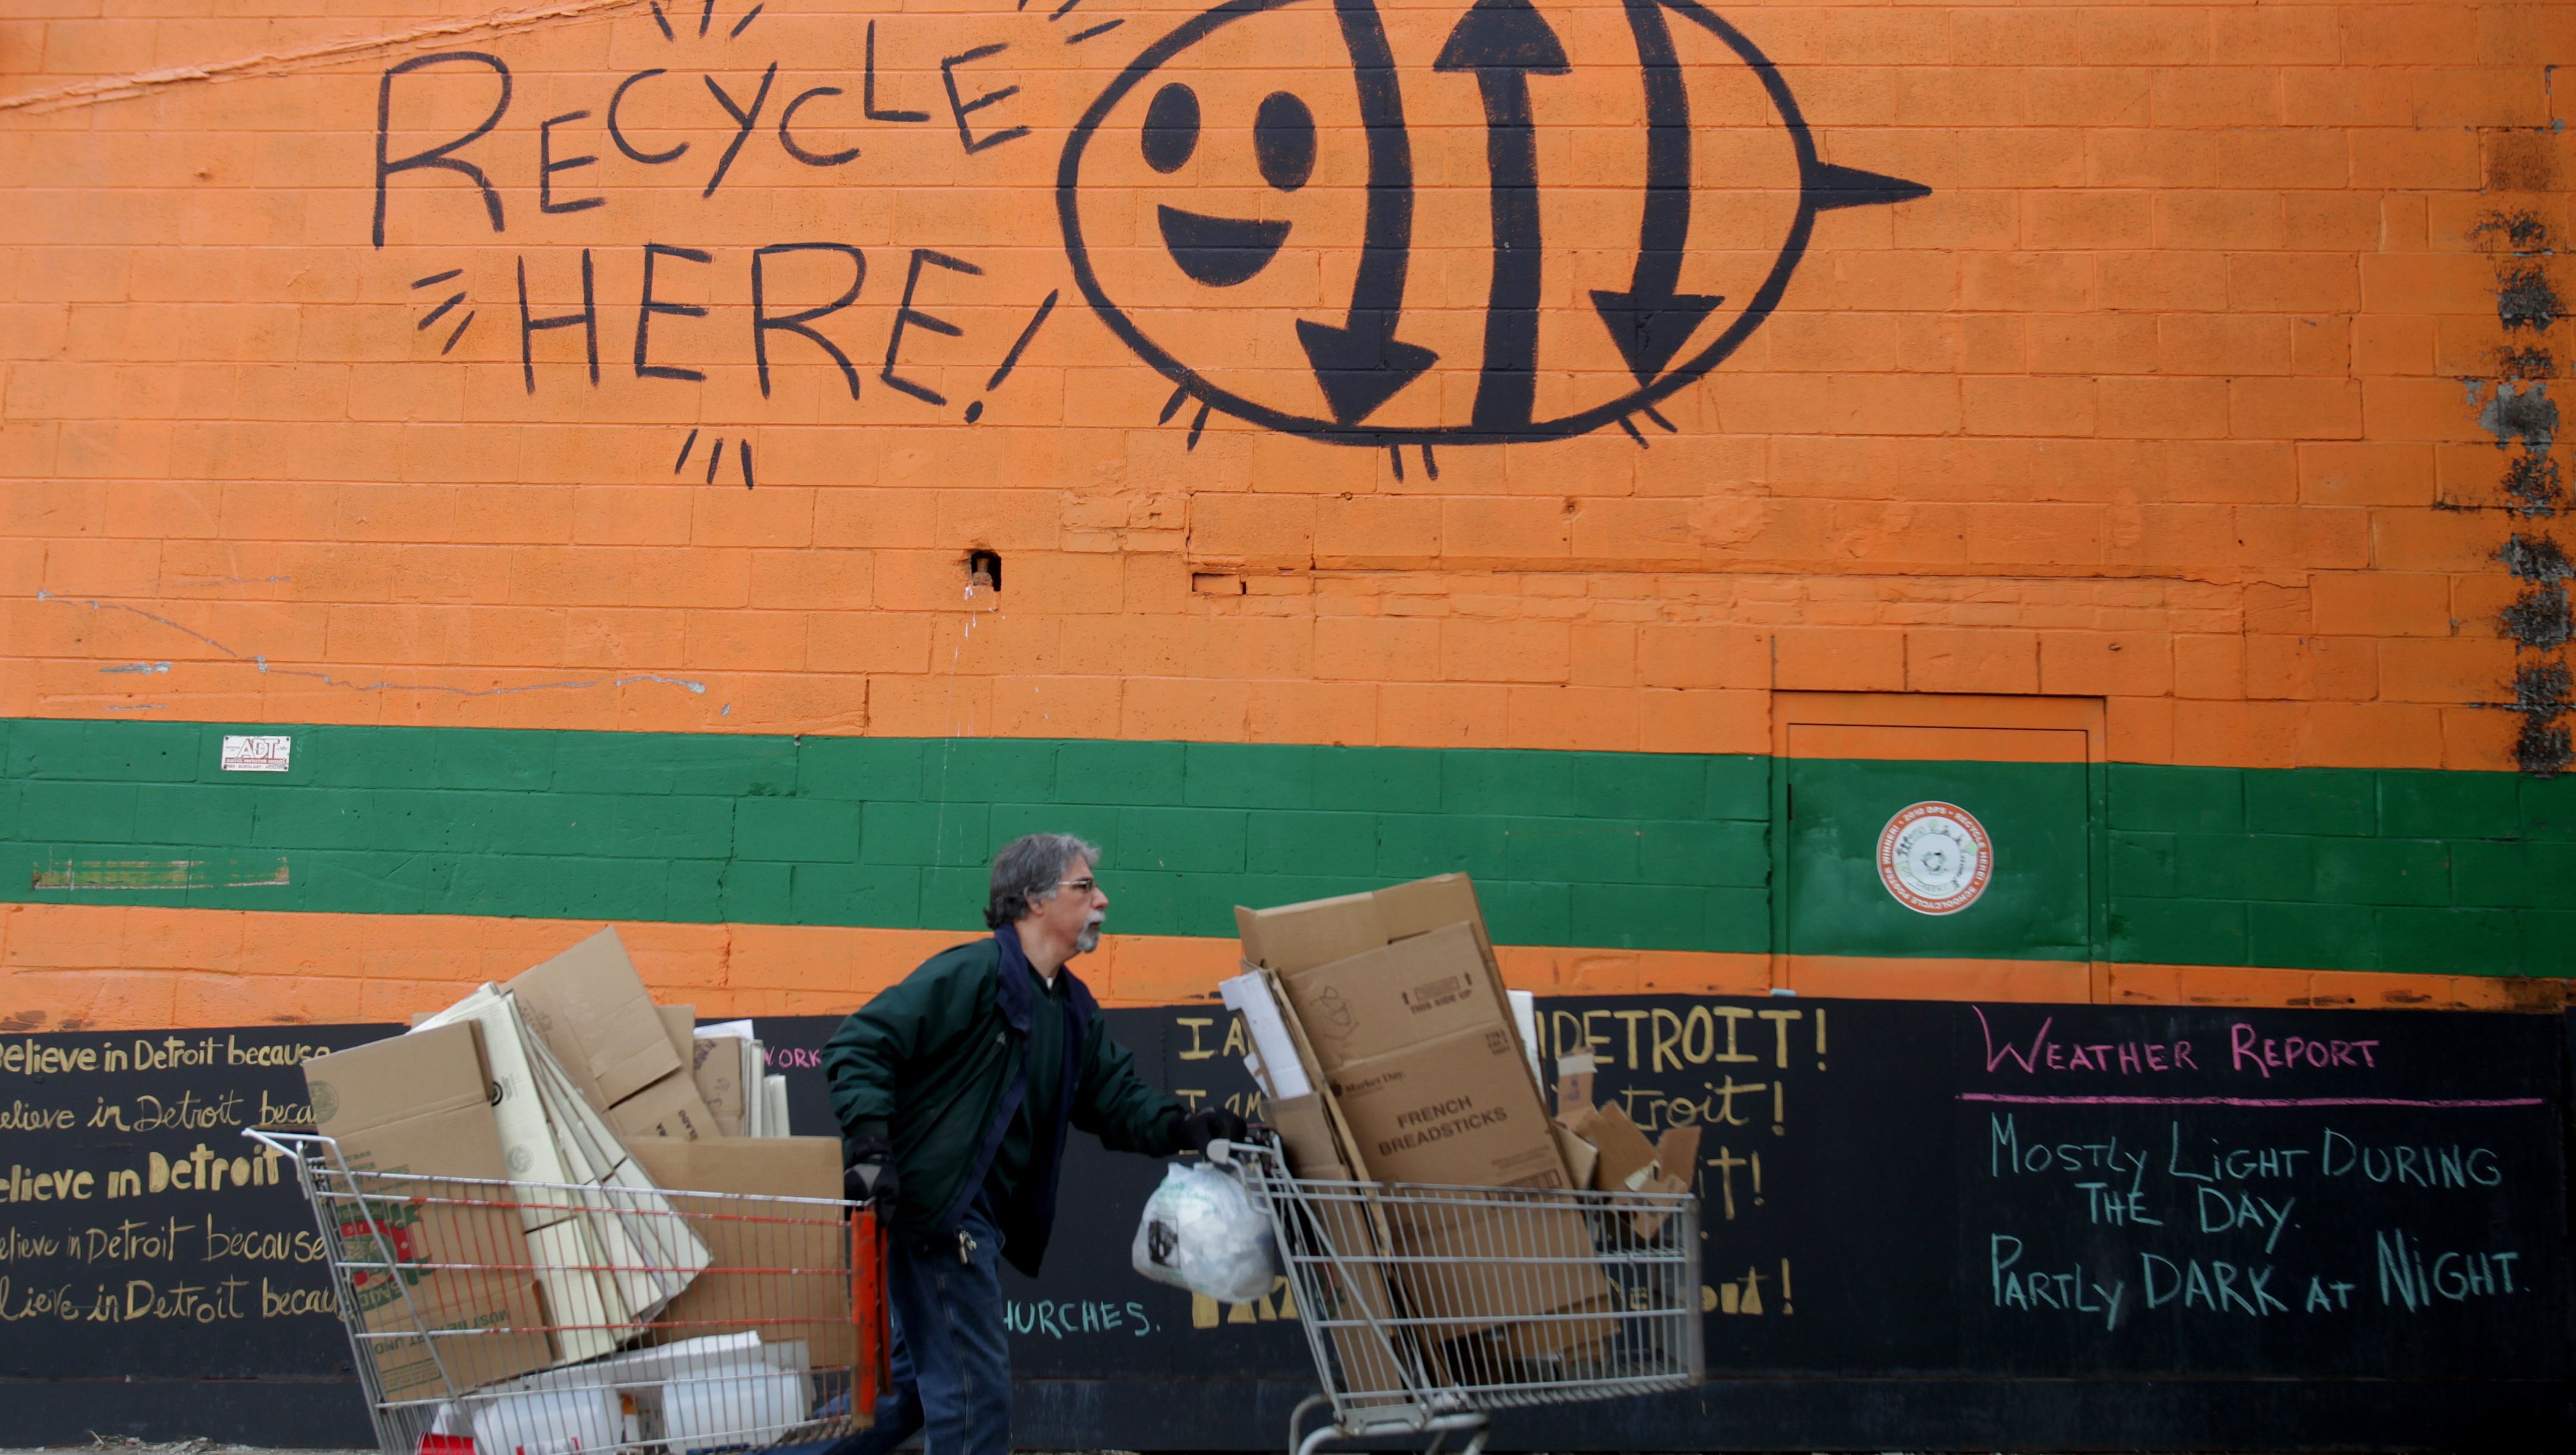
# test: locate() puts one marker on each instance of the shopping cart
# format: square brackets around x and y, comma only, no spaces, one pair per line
[1426,1307]
[519,1318]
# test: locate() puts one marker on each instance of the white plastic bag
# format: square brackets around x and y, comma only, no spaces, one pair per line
[1201,1232]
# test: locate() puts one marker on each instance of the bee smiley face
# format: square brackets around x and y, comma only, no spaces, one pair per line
[1220,188]
[1215,250]
[1378,228]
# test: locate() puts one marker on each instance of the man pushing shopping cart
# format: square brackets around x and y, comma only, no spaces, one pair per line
[517,1274]
[954,1092]
[1423,1305]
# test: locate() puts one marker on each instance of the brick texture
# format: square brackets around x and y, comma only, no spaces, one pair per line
[2180,318]
[1607,850]
[2420,871]
[324,405]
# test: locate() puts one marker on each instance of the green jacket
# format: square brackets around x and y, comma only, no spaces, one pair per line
[939,1064]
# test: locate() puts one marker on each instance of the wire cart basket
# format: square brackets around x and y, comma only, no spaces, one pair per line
[1426,1307]
[523,1318]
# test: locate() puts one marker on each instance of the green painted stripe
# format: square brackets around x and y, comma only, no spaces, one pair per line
[2395,870]
[1609,849]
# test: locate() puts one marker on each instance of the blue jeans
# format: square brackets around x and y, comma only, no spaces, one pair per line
[952,1358]
[898,1411]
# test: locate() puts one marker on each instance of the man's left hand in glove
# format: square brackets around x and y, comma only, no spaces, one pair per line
[1210,1124]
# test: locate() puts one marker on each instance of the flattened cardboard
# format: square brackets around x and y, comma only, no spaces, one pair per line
[1627,1158]
[669,1107]
[420,1104]
[1464,1243]
[1425,905]
[1345,1142]
[1580,1156]
[1677,1154]
[1458,1111]
[1382,1000]
[403,1078]
[1307,1133]
[680,1023]
[726,1298]
[596,1016]
[1354,1289]
[1321,1146]
[1296,937]
[716,1066]
[528,1144]
[1539,1349]
[1573,1087]
[1676,1163]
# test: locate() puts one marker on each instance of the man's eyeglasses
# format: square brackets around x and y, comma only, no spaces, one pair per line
[1085,886]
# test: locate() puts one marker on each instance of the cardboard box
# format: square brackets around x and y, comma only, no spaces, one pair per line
[1458,1111]
[1400,1005]
[596,1016]
[1345,1159]
[725,1298]
[420,1103]
[1461,1111]
[1417,989]
[1409,936]
[1294,937]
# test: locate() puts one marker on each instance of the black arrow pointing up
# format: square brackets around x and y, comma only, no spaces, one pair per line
[1650,322]
[1361,365]
[1504,42]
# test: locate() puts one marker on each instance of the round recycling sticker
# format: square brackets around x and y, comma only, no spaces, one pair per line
[1935,858]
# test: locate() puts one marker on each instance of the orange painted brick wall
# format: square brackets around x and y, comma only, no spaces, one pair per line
[2156,396]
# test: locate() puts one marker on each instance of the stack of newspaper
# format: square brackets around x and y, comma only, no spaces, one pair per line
[609,1252]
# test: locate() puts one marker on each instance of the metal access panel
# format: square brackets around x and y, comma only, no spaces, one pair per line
[1938,842]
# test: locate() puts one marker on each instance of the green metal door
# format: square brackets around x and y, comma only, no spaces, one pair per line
[1968,843]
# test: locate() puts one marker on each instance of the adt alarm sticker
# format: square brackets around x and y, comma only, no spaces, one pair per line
[262,754]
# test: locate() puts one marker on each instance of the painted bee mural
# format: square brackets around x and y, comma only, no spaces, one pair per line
[1373,295]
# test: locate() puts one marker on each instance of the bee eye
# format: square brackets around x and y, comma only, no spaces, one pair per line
[1172,129]
[1283,134]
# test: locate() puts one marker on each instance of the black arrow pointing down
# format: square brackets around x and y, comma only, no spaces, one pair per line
[1651,321]
[1361,364]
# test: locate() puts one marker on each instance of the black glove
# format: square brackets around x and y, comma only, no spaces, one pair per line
[1210,1124]
[871,1177]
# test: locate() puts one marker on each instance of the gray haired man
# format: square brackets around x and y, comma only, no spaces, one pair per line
[954,1090]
